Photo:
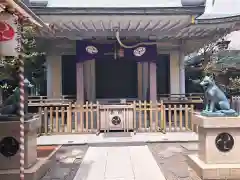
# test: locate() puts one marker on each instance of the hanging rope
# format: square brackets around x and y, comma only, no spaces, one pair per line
[21,88]
[133,46]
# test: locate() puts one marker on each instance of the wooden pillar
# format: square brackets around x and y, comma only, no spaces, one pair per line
[181,73]
[89,80]
[153,91]
[54,76]
[174,72]
[49,77]
[153,81]
[140,80]
[92,81]
[145,80]
[86,70]
[80,83]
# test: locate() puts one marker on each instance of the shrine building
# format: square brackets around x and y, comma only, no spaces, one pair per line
[124,50]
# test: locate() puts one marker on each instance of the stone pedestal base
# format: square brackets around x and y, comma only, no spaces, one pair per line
[10,149]
[213,171]
[36,172]
[12,129]
[219,148]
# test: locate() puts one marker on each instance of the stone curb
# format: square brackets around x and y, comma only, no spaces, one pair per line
[104,143]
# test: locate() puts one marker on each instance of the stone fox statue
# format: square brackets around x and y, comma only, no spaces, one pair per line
[215,99]
[11,104]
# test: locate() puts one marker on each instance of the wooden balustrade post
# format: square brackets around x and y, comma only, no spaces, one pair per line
[51,119]
[98,119]
[63,119]
[76,117]
[191,117]
[45,120]
[170,117]
[140,115]
[163,123]
[69,118]
[181,116]
[175,116]
[91,116]
[186,118]
[87,106]
[150,110]
[156,111]
[134,117]
[57,119]
[41,120]
[145,115]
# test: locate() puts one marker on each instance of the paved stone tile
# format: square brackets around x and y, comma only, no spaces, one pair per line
[101,139]
[190,146]
[58,173]
[93,164]
[144,165]
[67,160]
[66,163]
[119,163]
[171,159]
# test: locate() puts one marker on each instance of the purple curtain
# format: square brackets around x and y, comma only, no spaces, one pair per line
[87,50]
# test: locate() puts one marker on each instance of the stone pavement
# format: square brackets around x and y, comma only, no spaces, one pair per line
[66,163]
[92,139]
[119,163]
[78,162]
[171,159]
[106,160]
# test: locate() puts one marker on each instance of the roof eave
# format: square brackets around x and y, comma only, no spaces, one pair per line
[28,12]
[20,8]
[226,19]
[119,11]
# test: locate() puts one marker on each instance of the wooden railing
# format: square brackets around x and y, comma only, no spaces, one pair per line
[147,117]
[45,101]
[191,98]
[45,97]
[235,103]
[181,98]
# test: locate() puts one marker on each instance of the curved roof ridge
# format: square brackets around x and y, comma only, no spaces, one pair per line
[218,9]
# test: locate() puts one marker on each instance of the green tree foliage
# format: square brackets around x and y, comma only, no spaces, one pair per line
[209,62]
[33,62]
[234,84]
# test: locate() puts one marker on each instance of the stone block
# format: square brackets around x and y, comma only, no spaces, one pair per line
[208,130]
[219,148]
[9,167]
[11,129]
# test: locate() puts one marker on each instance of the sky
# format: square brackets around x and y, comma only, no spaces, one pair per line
[221,8]
[214,8]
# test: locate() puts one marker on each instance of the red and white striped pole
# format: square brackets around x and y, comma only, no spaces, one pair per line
[21,102]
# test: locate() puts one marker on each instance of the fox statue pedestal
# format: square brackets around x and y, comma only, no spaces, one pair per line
[10,146]
[219,148]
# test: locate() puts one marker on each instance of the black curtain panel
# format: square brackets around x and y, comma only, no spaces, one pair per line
[116,78]
[163,74]
[69,75]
